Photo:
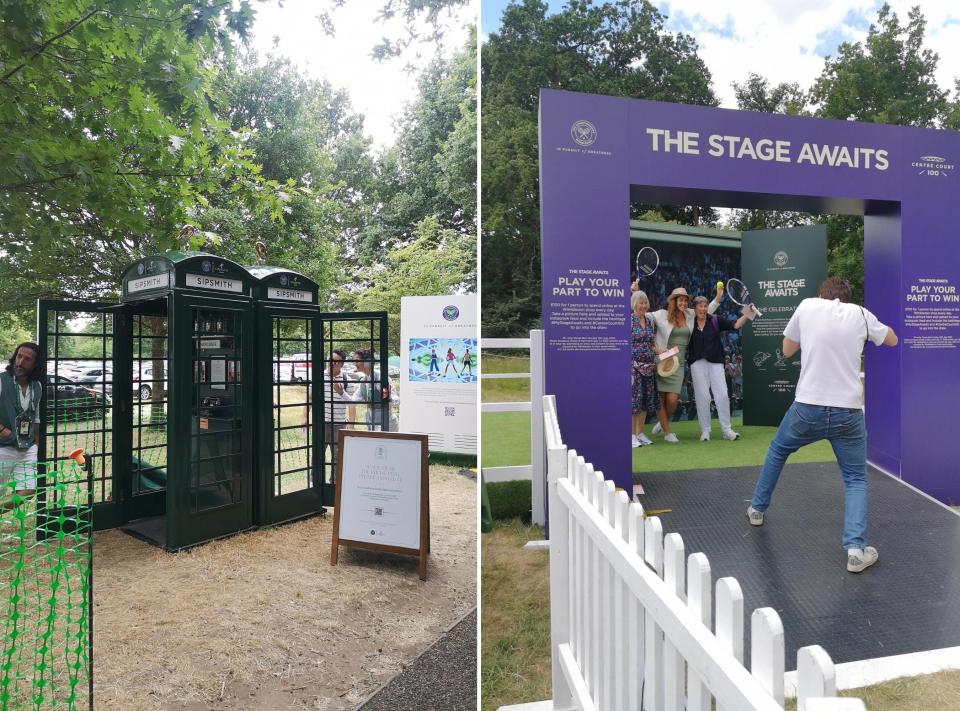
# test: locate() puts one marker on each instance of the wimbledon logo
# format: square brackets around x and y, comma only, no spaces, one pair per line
[583,133]
[451,313]
[781,259]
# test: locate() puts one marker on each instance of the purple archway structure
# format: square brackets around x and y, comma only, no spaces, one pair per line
[599,153]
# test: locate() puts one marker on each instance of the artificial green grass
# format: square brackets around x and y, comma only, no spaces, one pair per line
[506,442]
[718,453]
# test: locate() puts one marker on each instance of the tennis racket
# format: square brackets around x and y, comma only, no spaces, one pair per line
[647,262]
[739,294]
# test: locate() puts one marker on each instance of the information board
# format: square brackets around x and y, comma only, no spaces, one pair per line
[382,494]
[781,268]
[439,370]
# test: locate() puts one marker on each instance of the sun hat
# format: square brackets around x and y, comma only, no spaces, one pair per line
[668,367]
[679,291]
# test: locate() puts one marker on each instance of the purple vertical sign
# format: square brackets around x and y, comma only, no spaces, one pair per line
[598,153]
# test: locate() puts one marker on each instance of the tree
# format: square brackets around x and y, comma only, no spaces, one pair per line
[756,94]
[109,137]
[307,139]
[432,169]
[888,78]
[421,23]
[617,48]
[437,261]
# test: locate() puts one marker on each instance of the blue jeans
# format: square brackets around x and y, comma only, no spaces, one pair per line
[844,428]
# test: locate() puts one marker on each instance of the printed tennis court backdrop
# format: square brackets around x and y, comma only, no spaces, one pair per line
[598,153]
[439,370]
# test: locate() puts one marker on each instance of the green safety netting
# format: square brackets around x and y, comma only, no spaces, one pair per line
[45,579]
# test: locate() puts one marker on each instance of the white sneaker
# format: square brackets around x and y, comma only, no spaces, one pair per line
[859,560]
[731,435]
[635,441]
[657,429]
[672,437]
[644,440]
[704,436]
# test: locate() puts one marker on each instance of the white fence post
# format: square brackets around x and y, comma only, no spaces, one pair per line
[767,651]
[816,675]
[729,619]
[636,623]
[699,599]
[653,668]
[537,450]
[557,461]
[674,575]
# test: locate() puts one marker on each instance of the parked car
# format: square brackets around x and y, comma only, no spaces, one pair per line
[99,377]
[294,368]
[68,398]
[145,382]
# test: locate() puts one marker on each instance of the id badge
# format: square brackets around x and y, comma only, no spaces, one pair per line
[24,431]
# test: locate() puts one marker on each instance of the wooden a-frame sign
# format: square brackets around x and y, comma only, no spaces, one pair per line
[382,499]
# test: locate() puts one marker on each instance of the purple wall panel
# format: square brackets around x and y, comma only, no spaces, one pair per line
[588,171]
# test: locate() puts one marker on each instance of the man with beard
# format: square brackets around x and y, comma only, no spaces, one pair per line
[20,391]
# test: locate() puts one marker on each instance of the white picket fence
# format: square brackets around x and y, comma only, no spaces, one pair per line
[631,619]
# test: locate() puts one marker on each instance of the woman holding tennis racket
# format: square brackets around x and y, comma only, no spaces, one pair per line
[674,328]
[643,380]
[705,356]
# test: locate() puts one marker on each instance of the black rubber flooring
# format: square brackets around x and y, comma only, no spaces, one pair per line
[152,530]
[909,601]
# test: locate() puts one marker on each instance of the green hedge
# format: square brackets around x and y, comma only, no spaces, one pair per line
[509,499]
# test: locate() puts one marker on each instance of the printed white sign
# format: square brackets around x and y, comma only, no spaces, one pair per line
[205,281]
[218,373]
[439,370]
[155,281]
[288,294]
[380,491]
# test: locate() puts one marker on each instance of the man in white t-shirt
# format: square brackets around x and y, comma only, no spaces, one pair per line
[827,405]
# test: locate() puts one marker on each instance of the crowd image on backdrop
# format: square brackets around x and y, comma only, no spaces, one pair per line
[670,312]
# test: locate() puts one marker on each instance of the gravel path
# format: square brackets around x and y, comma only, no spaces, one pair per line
[443,678]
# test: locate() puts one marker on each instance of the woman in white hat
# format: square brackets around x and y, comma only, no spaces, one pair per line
[674,328]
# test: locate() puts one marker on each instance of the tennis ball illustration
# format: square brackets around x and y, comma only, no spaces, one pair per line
[719,284]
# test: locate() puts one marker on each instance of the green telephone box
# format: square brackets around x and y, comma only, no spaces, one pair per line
[207,411]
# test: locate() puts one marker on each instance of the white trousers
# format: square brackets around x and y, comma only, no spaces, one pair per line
[709,377]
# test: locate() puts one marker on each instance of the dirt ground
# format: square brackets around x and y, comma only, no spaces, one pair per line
[263,621]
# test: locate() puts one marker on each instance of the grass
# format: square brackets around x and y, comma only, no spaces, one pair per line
[507,389]
[515,634]
[506,438]
[515,623]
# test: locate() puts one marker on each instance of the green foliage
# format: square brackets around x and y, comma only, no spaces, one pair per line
[888,78]
[107,117]
[13,332]
[437,261]
[756,94]
[309,142]
[415,14]
[618,48]
[509,499]
[432,170]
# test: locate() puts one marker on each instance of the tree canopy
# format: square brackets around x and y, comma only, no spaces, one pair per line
[619,48]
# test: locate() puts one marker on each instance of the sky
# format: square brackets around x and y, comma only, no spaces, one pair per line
[782,40]
[378,90]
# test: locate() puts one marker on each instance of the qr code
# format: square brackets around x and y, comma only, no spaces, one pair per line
[449,412]
[378,511]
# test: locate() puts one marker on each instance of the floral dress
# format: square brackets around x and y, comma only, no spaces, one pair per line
[644,379]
